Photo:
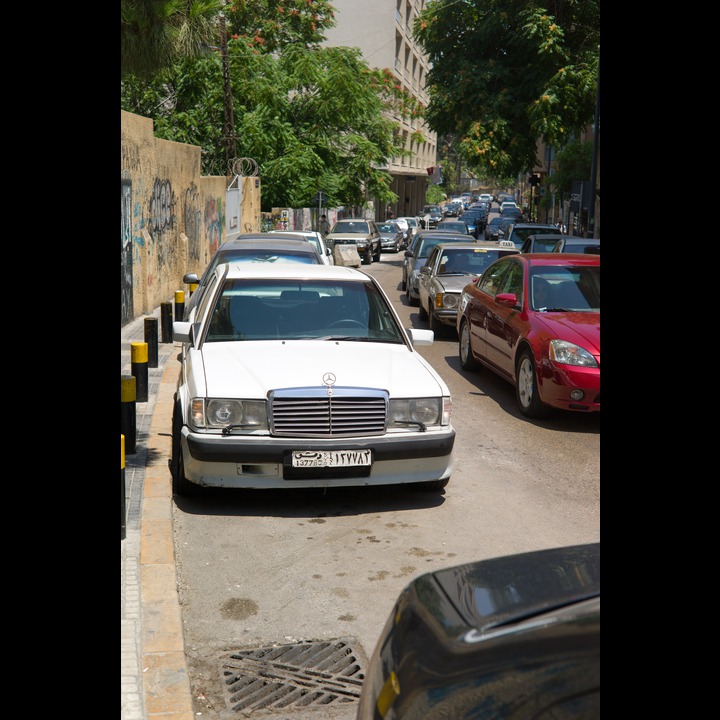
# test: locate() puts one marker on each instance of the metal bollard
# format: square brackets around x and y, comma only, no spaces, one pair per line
[139,368]
[193,288]
[123,512]
[179,305]
[128,419]
[151,338]
[166,321]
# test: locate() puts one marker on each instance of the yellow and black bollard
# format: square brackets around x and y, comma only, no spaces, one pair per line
[179,305]
[139,368]
[123,512]
[193,288]
[128,422]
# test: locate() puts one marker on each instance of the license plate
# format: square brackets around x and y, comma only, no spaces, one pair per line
[331,458]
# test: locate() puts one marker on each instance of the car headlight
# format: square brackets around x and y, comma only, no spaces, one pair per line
[568,353]
[362,243]
[448,301]
[428,411]
[249,415]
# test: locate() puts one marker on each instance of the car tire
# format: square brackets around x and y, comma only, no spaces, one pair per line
[378,253]
[403,284]
[181,486]
[412,300]
[422,312]
[526,387]
[467,360]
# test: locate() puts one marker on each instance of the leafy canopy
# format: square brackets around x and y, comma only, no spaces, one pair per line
[507,72]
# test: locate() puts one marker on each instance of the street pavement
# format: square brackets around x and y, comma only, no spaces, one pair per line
[154,680]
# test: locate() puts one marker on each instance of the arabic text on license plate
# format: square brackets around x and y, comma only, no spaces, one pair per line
[331,458]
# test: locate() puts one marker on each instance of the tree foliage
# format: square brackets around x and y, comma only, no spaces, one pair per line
[507,72]
[155,33]
[312,118]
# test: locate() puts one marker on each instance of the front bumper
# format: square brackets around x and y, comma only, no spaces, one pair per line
[264,462]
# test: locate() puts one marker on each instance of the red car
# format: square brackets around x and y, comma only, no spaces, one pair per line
[534,319]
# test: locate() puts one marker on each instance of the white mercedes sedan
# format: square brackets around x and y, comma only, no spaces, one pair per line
[303,376]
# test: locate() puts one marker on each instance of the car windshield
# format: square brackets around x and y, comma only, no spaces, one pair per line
[388,228]
[469,261]
[350,226]
[556,289]
[287,309]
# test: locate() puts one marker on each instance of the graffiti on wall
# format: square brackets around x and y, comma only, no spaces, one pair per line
[192,223]
[162,219]
[126,253]
[214,223]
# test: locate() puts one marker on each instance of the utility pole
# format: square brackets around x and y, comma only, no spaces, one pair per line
[229,121]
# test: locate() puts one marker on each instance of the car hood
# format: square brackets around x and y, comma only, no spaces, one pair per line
[581,328]
[454,283]
[251,369]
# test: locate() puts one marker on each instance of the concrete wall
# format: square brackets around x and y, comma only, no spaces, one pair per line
[172,218]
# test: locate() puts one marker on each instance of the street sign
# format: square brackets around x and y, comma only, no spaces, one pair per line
[319,198]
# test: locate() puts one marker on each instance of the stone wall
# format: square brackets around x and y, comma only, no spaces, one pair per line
[172,218]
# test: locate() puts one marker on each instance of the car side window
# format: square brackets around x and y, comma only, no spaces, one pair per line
[492,278]
[512,282]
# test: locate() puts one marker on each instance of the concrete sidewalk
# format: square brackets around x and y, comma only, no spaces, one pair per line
[154,680]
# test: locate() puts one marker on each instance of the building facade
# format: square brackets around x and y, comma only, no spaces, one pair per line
[382,31]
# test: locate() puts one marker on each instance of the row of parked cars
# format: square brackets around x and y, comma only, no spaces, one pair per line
[273,392]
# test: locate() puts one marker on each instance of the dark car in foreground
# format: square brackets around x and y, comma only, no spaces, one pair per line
[507,638]
[534,320]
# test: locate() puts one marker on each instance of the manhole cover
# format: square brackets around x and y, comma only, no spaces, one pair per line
[297,675]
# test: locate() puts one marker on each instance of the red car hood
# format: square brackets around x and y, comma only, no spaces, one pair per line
[581,328]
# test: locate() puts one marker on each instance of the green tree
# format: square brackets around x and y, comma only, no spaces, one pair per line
[271,25]
[507,72]
[312,118]
[573,162]
[155,33]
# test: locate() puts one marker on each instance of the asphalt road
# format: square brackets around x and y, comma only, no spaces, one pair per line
[263,568]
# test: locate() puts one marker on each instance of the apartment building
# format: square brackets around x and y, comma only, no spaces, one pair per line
[382,30]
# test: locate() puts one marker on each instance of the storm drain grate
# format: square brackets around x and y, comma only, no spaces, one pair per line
[298,675]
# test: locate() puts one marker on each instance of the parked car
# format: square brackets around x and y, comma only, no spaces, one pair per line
[534,320]
[573,244]
[513,211]
[315,238]
[360,232]
[543,242]
[414,225]
[521,230]
[506,638]
[391,236]
[432,215]
[404,225]
[303,376]
[416,256]
[253,248]
[458,226]
[449,268]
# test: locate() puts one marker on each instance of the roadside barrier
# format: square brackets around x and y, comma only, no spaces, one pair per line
[123,512]
[193,288]
[166,321]
[128,419]
[139,368]
[151,338]
[179,305]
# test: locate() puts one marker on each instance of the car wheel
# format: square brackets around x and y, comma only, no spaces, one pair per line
[403,284]
[181,486]
[467,361]
[422,312]
[412,300]
[378,253]
[526,387]
[367,257]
